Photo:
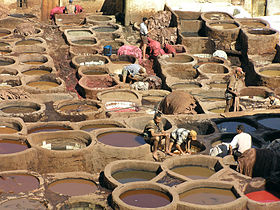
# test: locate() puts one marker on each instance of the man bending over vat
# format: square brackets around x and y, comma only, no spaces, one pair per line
[155,133]
[134,72]
[240,143]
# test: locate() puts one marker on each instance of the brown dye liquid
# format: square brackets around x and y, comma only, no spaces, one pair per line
[218,85]
[18,109]
[84,42]
[78,108]
[73,187]
[3,34]
[29,42]
[36,72]
[15,183]
[271,73]
[79,33]
[23,203]
[43,85]
[92,127]
[34,62]
[48,129]
[208,196]
[122,62]
[222,26]
[185,86]
[218,110]
[145,198]
[10,146]
[127,176]
[194,172]
[104,29]
[121,139]
[7,130]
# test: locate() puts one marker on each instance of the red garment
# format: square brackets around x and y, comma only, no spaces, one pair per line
[155,48]
[130,50]
[262,196]
[169,49]
[56,10]
[79,9]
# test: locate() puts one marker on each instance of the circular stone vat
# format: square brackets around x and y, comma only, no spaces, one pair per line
[84,41]
[223,26]
[89,60]
[10,126]
[5,61]
[214,68]
[139,195]
[181,72]
[193,167]
[8,72]
[29,42]
[37,71]
[5,51]
[216,16]
[182,59]
[4,33]
[15,183]
[106,28]
[91,125]
[270,121]
[82,205]
[270,72]
[48,127]
[60,140]
[120,95]
[269,75]
[252,23]
[151,98]
[122,59]
[100,19]
[23,203]
[73,186]
[10,146]
[229,125]
[98,71]
[126,171]
[121,138]
[218,195]
[209,95]
[205,127]
[121,106]
[78,33]
[4,44]
[29,49]
[33,59]
[185,85]
[262,31]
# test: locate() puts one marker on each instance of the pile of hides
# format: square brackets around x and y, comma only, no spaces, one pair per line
[13,93]
[155,48]
[130,50]
[178,102]
[161,31]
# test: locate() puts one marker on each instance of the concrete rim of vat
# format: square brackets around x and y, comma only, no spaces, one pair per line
[205,66]
[15,122]
[214,163]
[36,141]
[100,19]
[205,16]
[85,60]
[154,92]
[112,95]
[81,124]
[135,122]
[86,50]
[13,61]
[254,91]
[275,66]
[170,192]
[262,32]
[82,70]
[41,41]
[48,78]
[243,21]
[35,115]
[30,49]
[65,124]
[179,72]
[119,165]
[90,115]
[73,40]
[8,71]
[35,57]
[25,69]
[239,203]
[67,32]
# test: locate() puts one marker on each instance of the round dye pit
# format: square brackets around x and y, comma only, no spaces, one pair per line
[230,126]
[121,139]
[105,29]
[252,23]
[78,108]
[223,26]
[93,60]
[43,85]
[194,172]
[38,71]
[29,42]
[65,143]
[8,72]
[5,52]
[16,183]
[180,59]
[5,61]
[122,59]
[270,71]
[270,122]
[19,109]
[4,32]
[189,85]
[73,187]
[262,31]
[12,146]
[100,18]
[208,196]
[4,44]
[121,95]
[130,175]
[213,16]
[92,127]
[151,100]
[218,85]
[110,39]
[93,71]
[79,33]
[213,68]
[23,203]
[181,72]
[145,198]
[9,128]
[48,129]
[84,42]
[29,49]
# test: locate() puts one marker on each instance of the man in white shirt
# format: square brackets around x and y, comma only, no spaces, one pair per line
[240,143]
[144,35]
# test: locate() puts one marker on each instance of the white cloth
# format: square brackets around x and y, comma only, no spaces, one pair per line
[179,135]
[220,54]
[243,141]
[143,29]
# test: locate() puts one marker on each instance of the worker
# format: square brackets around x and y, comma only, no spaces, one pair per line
[144,36]
[240,143]
[272,101]
[154,133]
[57,10]
[180,136]
[134,72]
[235,83]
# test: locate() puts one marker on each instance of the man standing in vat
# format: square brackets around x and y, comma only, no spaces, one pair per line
[235,83]
[155,133]
[240,143]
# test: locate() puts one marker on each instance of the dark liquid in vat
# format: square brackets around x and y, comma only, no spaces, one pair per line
[15,183]
[48,129]
[271,122]
[18,109]
[84,42]
[3,34]
[194,172]
[10,146]
[126,176]
[207,196]
[231,127]
[7,130]
[145,198]
[5,63]
[73,187]
[122,139]
[92,127]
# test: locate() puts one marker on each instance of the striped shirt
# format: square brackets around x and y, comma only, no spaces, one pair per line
[180,135]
